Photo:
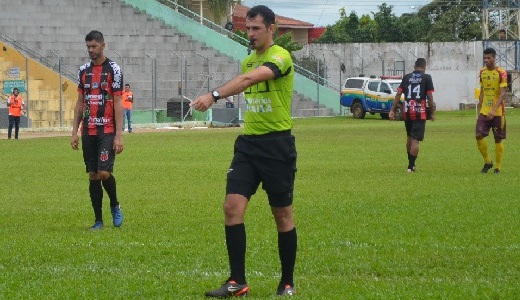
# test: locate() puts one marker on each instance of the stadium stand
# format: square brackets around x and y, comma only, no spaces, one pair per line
[157,59]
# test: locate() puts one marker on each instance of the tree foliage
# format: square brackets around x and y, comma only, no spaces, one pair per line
[284,40]
[438,21]
[219,8]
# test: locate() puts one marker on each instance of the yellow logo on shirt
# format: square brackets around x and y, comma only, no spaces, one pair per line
[278,58]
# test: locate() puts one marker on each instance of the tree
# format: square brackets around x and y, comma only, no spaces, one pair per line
[367,29]
[219,8]
[457,20]
[285,40]
[413,28]
[336,33]
[351,27]
[328,36]
[387,25]
[438,21]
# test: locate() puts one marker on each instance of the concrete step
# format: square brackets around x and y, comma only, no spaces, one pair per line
[312,112]
[61,25]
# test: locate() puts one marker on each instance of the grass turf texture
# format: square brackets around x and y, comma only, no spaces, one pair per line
[367,229]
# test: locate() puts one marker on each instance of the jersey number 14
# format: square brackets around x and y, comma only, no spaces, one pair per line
[416,90]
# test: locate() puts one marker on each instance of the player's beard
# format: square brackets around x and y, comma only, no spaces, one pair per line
[93,55]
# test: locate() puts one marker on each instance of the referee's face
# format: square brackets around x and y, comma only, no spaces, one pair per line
[259,32]
[95,49]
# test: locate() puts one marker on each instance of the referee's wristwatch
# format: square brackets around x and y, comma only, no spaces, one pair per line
[216,95]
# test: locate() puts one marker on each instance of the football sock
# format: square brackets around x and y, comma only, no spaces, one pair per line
[236,247]
[499,153]
[287,245]
[483,148]
[411,161]
[110,187]
[96,196]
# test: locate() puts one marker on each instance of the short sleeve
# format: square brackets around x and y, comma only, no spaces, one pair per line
[280,62]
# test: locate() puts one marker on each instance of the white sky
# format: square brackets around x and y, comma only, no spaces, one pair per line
[326,12]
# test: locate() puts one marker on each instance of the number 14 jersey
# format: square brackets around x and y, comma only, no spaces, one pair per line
[415,86]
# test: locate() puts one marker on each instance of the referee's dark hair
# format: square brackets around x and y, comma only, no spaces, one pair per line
[420,63]
[95,35]
[263,11]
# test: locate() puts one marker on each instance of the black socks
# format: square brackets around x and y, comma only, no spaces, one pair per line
[411,161]
[236,247]
[287,245]
[110,187]
[96,196]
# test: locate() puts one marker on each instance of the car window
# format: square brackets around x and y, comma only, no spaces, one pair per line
[384,86]
[372,86]
[395,85]
[354,84]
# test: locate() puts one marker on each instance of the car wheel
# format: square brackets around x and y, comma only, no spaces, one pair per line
[357,111]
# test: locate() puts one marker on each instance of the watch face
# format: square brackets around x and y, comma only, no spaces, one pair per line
[216,95]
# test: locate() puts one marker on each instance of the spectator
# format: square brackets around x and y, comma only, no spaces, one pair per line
[502,34]
[128,100]
[230,103]
[16,108]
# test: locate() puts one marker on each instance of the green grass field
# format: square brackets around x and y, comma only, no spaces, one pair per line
[367,229]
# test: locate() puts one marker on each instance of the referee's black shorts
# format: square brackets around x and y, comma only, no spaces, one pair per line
[269,159]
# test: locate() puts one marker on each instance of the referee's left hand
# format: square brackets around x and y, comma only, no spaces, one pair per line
[118,144]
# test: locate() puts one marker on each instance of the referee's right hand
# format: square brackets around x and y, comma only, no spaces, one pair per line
[203,102]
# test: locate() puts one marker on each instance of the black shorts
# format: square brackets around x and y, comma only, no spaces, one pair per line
[415,129]
[269,159]
[497,124]
[98,152]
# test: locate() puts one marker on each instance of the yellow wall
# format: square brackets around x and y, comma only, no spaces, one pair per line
[43,87]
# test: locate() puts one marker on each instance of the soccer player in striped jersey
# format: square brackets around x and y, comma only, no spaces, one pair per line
[417,88]
[99,110]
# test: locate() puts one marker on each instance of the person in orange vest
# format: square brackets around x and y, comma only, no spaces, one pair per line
[16,108]
[128,100]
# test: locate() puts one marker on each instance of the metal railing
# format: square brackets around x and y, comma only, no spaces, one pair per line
[213,35]
[508,53]
[231,35]
[3,96]
[38,57]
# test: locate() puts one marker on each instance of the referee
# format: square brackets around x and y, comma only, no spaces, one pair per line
[265,153]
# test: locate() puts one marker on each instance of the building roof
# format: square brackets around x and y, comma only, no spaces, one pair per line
[240,11]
